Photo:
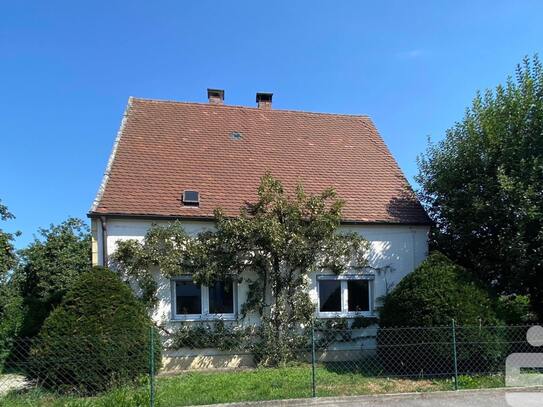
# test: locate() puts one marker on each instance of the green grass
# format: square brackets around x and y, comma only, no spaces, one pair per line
[481,381]
[249,385]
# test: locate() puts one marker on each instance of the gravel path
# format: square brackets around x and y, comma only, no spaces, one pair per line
[9,382]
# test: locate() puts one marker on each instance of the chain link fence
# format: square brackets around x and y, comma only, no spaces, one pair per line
[75,370]
[217,362]
[416,359]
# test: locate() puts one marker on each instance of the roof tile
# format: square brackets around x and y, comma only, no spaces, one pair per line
[166,147]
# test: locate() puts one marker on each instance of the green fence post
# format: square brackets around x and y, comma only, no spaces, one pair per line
[313,361]
[151,367]
[455,357]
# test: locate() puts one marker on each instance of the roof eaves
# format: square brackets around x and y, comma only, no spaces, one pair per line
[207,218]
[107,173]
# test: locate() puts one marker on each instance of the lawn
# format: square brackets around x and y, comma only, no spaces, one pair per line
[248,385]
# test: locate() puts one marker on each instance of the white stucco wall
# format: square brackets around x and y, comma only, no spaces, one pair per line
[397,248]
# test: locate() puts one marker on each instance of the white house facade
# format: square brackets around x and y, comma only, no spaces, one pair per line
[180,161]
[394,252]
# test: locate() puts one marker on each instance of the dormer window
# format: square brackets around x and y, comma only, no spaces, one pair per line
[191,198]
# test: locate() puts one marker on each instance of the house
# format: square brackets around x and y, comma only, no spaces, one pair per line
[180,161]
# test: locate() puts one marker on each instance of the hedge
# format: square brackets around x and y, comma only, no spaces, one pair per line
[437,292]
[98,338]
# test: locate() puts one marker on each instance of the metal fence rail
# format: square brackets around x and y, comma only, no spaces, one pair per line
[320,361]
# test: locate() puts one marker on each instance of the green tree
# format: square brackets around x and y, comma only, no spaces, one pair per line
[11,319]
[8,257]
[281,238]
[11,308]
[483,186]
[49,265]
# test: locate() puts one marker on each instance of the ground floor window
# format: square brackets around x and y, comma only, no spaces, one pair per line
[191,301]
[345,295]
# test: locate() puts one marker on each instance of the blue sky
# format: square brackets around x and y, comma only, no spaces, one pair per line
[67,69]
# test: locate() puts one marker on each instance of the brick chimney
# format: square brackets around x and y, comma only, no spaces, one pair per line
[215,96]
[264,100]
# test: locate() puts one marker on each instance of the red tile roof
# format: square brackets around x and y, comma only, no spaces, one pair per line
[166,147]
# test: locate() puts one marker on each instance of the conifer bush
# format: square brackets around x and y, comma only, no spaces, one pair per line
[423,306]
[98,338]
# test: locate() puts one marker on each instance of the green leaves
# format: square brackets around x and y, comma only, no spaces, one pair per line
[98,337]
[428,299]
[281,238]
[435,293]
[11,319]
[164,247]
[8,257]
[51,263]
[49,266]
[483,186]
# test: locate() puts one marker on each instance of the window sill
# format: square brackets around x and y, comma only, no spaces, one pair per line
[364,314]
[204,318]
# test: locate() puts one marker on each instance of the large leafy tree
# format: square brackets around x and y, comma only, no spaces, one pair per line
[11,308]
[49,266]
[483,186]
[279,238]
[8,257]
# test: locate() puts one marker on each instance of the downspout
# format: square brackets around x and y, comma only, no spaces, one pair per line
[414,245]
[103,223]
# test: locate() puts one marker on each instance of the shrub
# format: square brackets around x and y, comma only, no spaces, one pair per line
[11,319]
[48,267]
[425,303]
[278,349]
[98,338]
[212,335]
[515,310]
[264,344]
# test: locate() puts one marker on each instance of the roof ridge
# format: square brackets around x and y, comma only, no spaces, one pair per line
[177,102]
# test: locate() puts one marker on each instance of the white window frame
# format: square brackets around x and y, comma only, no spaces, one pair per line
[345,313]
[205,315]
